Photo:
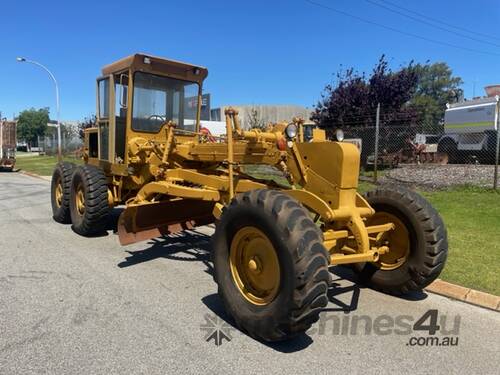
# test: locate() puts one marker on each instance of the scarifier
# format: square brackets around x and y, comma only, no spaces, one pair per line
[273,243]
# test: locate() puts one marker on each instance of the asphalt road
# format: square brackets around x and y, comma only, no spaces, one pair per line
[86,305]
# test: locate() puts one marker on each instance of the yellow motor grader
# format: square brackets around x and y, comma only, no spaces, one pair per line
[273,243]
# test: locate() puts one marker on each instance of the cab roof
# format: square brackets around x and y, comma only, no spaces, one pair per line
[157,65]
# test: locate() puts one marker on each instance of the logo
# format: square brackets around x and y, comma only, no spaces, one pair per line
[216,329]
[430,329]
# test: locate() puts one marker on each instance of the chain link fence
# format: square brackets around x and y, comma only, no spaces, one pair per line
[403,148]
[70,145]
[415,152]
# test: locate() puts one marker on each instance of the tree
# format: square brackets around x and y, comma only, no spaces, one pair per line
[67,130]
[255,121]
[353,101]
[414,94]
[436,87]
[31,124]
[87,122]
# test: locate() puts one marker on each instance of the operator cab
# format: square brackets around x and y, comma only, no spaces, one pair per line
[308,131]
[136,96]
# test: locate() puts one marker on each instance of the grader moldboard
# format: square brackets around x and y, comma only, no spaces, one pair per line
[273,244]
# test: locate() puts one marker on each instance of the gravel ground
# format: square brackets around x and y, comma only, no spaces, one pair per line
[442,176]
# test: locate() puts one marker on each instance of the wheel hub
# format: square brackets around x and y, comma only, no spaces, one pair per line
[80,200]
[398,241]
[254,266]
[59,193]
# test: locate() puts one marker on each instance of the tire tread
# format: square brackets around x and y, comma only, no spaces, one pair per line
[435,244]
[304,242]
[96,200]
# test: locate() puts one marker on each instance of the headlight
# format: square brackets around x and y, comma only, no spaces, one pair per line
[339,134]
[291,131]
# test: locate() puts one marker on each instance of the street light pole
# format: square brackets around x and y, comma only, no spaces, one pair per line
[22,59]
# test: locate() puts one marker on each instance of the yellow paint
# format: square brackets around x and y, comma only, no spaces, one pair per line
[80,200]
[254,266]
[398,241]
[175,164]
[59,192]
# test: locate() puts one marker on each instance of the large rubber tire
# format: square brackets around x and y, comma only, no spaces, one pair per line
[302,258]
[94,218]
[428,242]
[60,207]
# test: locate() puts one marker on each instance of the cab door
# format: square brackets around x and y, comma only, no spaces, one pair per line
[105,116]
[120,117]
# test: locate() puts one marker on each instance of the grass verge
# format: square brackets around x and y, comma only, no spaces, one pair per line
[41,165]
[472,218]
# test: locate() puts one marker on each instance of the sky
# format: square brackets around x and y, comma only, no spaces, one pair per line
[257,52]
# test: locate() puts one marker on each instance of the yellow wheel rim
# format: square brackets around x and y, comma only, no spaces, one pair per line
[254,266]
[398,239]
[80,200]
[59,192]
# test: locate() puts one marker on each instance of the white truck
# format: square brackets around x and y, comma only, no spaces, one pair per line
[471,129]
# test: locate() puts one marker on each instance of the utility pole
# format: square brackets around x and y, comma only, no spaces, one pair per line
[377,129]
[1,136]
[497,152]
[59,151]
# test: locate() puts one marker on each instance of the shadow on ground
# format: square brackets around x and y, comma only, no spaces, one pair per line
[341,274]
[193,246]
[111,225]
[341,298]
[187,246]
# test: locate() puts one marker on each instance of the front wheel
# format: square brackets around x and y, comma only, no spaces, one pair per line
[270,265]
[418,245]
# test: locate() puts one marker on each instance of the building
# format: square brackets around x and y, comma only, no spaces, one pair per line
[251,115]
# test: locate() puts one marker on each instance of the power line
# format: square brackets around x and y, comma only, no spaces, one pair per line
[400,31]
[431,24]
[440,21]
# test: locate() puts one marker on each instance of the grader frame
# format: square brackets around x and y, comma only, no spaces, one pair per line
[276,241]
[339,203]
[160,167]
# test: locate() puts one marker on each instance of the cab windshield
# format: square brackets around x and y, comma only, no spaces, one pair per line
[160,99]
[308,133]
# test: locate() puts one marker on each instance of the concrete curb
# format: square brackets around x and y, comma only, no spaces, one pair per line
[46,178]
[463,294]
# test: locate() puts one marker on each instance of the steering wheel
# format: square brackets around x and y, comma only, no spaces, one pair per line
[158,117]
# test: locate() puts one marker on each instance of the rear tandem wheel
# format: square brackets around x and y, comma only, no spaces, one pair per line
[88,202]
